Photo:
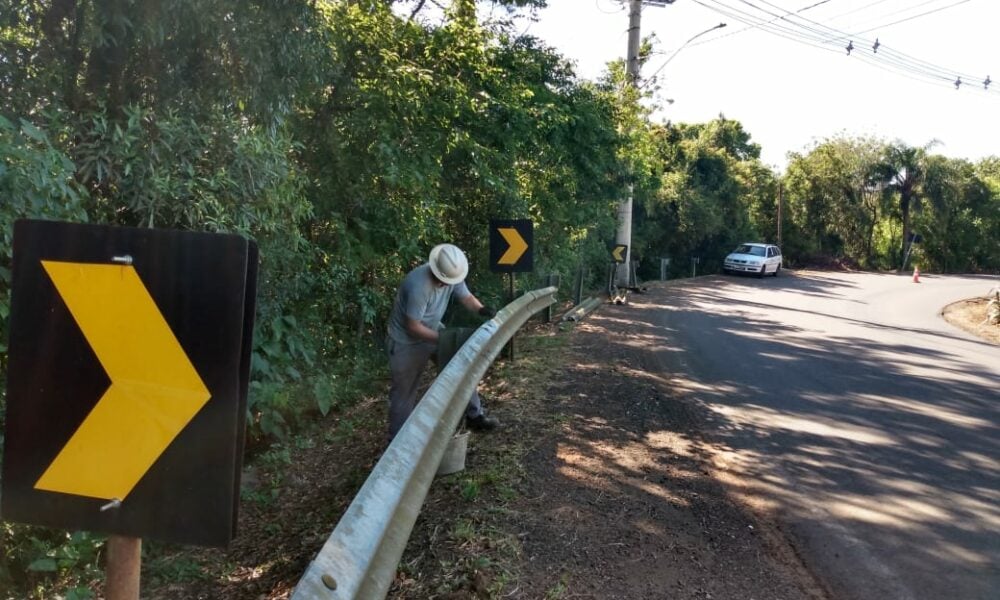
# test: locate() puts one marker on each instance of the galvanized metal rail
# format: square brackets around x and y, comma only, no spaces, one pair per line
[580,312]
[359,559]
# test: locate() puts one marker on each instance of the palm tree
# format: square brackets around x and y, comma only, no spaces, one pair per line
[904,168]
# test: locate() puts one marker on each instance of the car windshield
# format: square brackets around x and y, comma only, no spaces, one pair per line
[748,249]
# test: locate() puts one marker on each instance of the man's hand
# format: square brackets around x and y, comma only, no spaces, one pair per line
[486,311]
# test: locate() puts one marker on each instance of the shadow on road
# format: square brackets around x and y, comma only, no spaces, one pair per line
[892,446]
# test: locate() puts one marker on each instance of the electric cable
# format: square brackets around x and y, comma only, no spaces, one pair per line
[923,14]
[859,9]
[597,3]
[749,27]
[817,35]
[896,56]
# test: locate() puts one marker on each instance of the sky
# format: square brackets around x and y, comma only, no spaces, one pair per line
[790,95]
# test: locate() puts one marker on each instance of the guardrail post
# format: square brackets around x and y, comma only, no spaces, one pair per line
[551,280]
[578,294]
[664,268]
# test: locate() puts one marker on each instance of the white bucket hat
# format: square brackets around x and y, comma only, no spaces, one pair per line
[448,263]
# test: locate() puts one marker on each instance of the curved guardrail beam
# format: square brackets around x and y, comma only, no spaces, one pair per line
[580,312]
[359,559]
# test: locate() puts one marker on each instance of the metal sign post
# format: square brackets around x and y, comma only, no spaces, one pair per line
[123,568]
[510,298]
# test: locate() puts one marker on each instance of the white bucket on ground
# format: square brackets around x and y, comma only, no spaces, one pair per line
[453,460]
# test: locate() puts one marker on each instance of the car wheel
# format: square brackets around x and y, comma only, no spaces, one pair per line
[775,274]
[763,270]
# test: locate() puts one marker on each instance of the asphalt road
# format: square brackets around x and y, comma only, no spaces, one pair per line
[863,421]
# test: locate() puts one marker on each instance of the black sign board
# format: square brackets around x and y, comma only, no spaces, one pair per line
[511,245]
[129,362]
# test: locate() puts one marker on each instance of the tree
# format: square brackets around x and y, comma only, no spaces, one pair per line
[709,175]
[904,168]
[835,194]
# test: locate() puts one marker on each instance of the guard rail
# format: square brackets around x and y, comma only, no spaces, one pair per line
[359,559]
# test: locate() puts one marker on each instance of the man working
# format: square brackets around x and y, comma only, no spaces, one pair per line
[413,331]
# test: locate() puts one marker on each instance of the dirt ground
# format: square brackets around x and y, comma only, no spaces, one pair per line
[615,497]
[970,315]
[600,485]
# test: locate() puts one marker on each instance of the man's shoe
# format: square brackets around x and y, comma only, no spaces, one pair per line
[482,423]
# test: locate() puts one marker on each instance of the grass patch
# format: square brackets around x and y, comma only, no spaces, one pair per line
[479,557]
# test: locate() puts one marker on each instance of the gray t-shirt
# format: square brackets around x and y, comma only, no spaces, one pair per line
[418,298]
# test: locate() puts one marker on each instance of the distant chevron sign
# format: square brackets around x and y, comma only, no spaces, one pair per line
[511,245]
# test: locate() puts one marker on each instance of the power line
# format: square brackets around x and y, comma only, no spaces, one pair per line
[819,36]
[719,37]
[890,13]
[860,8]
[895,56]
[901,60]
[923,14]
[682,46]
[597,3]
[866,22]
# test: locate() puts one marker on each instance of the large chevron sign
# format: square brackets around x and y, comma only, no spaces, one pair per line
[128,371]
[154,391]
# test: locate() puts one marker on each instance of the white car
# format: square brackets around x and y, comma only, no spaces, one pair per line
[760,259]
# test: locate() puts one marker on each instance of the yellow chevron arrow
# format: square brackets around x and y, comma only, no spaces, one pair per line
[619,253]
[154,392]
[516,243]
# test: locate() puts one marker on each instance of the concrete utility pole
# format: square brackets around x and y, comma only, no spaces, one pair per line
[623,277]
[779,213]
[624,234]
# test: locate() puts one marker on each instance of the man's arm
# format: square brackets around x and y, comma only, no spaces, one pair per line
[421,331]
[472,303]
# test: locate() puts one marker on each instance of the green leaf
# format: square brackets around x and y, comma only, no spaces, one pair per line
[43,565]
[32,131]
[79,593]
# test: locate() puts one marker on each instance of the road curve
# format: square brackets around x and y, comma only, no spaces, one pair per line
[857,415]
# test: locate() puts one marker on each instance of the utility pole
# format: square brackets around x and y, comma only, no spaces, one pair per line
[624,234]
[623,277]
[779,213]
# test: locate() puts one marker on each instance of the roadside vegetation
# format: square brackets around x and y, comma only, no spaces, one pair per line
[347,137]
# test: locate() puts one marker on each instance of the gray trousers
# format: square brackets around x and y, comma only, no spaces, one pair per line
[406,363]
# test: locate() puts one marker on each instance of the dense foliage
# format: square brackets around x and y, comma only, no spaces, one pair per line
[859,200]
[348,136]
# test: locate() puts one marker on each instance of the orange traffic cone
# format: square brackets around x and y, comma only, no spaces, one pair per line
[916,275]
